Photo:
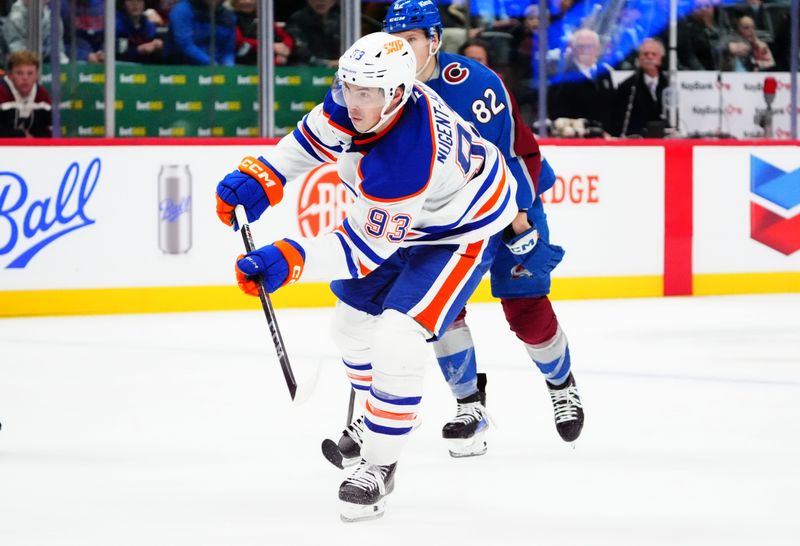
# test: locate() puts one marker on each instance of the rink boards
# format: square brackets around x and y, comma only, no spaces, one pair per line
[129,225]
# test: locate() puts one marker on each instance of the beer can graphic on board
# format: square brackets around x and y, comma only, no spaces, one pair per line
[174,209]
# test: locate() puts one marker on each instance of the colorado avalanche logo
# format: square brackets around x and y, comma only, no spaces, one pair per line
[519,272]
[455,73]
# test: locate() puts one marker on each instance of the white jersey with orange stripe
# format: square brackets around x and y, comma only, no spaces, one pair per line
[427,178]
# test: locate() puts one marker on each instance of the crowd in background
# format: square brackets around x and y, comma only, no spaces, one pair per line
[713,34]
[587,40]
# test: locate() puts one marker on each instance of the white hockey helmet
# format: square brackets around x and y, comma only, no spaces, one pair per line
[380,60]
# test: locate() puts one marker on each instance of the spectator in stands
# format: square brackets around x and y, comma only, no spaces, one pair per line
[136,34]
[87,24]
[744,52]
[699,38]
[24,104]
[315,29]
[191,34]
[247,36]
[755,10]
[475,49]
[585,89]
[157,11]
[15,29]
[638,101]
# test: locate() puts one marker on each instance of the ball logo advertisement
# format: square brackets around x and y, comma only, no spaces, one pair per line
[31,220]
[323,201]
[774,206]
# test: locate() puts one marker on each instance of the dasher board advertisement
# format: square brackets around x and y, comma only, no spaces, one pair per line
[607,209]
[746,209]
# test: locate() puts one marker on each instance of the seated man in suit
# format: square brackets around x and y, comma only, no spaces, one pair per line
[638,101]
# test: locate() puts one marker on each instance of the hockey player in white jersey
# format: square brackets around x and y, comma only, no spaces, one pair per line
[520,274]
[431,201]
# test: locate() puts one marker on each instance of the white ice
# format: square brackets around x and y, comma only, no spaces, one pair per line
[177,429]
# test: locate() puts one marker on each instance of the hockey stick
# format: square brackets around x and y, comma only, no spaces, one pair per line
[298,396]
[350,406]
[330,449]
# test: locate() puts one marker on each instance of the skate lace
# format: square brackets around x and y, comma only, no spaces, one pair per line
[566,403]
[470,412]
[369,476]
[355,430]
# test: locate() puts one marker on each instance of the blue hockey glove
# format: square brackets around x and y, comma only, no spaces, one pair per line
[280,263]
[538,257]
[253,185]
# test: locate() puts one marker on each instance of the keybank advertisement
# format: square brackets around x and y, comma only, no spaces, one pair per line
[746,209]
[125,216]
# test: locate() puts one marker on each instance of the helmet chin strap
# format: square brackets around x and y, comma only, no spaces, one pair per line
[432,51]
[384,117]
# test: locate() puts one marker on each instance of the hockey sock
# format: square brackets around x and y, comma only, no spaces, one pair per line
[399,362]
[360,376]
[552,358]
[455,353]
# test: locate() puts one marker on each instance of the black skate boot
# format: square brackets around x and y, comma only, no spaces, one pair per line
[348,451]
[466,432]
[567,409]
[364,491]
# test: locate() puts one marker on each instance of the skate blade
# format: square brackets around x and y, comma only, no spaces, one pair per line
[330,450]
[352,513]
[468,447]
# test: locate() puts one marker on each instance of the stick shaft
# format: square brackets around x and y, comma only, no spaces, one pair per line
[269,312]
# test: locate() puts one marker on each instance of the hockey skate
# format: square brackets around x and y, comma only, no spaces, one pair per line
[567,409]
[348,451]
[364,492]
[466,432]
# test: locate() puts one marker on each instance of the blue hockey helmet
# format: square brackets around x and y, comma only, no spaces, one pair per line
[410,14]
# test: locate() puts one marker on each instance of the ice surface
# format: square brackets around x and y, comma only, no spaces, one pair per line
[177,429]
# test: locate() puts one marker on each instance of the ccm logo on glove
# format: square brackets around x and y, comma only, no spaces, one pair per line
[259,171]
[524,242]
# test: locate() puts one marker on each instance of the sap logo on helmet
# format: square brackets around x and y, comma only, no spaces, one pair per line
[323,201]
[393,46]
